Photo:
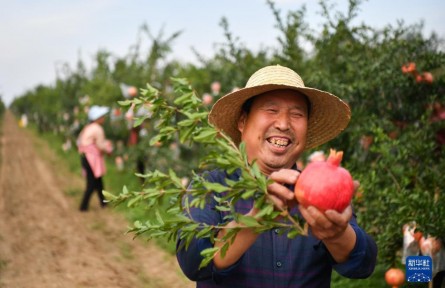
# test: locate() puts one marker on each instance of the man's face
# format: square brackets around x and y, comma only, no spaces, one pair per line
[275,129]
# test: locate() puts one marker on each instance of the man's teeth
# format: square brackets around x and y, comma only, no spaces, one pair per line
[279,142]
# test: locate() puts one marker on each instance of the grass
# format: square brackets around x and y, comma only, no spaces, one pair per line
[376,280]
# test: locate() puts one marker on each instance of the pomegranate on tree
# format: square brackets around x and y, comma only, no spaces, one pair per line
[394,277]
[425,77]
[325,185]
[409,68]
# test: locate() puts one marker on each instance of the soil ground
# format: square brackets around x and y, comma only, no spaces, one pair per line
[46,242]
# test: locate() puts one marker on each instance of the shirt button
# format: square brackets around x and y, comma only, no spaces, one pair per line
[279,264]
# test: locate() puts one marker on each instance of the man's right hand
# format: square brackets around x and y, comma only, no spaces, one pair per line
[279,194]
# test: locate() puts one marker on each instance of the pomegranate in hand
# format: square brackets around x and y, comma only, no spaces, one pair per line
[325,185]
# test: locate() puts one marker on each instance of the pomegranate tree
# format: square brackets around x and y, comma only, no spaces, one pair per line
[325,185]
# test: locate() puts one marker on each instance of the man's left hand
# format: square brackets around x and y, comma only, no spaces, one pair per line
[329,225]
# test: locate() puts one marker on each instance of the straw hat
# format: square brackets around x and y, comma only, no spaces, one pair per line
[329,115]
[96,112]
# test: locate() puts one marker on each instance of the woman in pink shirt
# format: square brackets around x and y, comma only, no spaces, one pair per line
[92,146]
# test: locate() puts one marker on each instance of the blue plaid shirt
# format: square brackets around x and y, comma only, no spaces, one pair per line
[274,260]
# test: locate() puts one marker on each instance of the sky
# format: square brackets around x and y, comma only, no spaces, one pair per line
[38,36]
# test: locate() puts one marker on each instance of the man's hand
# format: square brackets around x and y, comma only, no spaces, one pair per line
[329,225]
[332,228]
[280,195]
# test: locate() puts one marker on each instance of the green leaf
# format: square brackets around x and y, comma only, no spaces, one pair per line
[167,130]
[155,139]
[223,208]
[213,186]
[174,177]
[206,135]
[265,211]
[159,217]
[183,99]
[200,115]
[293,233]
[137,224]
[150,91]
[133,200]
[139,121]
[180,81]
[204,232]
[186,122]
[248,194]
[249,221]
[125,102]
[108,196]
[224,249]
[185,134]
[222,161]
[209,251]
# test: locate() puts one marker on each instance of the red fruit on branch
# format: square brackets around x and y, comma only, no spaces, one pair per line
[394,277]
[325,185]
[425,77]
[409,68]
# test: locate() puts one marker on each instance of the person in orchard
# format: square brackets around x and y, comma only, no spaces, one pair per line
[278,118]
[92,145]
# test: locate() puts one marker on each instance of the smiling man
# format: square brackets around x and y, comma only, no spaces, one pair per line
[274,126]
[278,118]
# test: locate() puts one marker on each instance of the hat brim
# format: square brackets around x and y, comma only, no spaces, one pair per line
[329,115]
[100,112]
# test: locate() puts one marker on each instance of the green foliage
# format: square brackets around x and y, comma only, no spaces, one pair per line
[399,168]
[2,107]
[402,181]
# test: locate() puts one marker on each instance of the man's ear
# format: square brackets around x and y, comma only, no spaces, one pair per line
[242,121]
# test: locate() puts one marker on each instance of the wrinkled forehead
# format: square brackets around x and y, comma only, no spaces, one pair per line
[275,95]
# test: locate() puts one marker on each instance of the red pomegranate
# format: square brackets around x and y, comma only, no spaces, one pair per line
[409,68]
[325,185]
[394,277]
[425,77]
[132,91]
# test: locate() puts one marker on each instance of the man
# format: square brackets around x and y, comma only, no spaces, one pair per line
[277,118]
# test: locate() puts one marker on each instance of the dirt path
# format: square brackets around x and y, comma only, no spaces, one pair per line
[46,242]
